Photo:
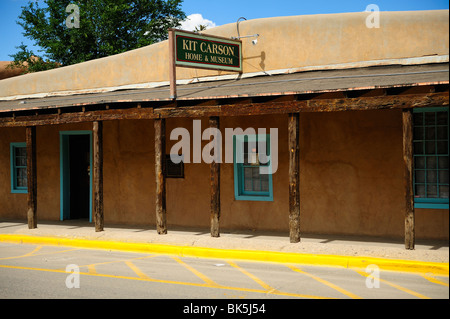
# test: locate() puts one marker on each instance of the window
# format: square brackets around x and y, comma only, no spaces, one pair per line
[431,136]
[18,168]
[250,165]
[174,170]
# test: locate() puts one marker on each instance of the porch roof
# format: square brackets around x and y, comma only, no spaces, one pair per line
[301,83]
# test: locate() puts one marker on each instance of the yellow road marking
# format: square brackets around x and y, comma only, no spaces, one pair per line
[172,282]
[26,255]
[416,294]
[203,277]
[137,270]
[92,266]
[33,253]
[434,280]
[256,279]
[91,269]
[325,282]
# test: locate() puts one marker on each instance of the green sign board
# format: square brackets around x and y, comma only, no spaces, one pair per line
[207,52]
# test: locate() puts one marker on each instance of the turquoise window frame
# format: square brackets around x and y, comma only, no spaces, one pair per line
[239,192]
[14,188]
[431,203]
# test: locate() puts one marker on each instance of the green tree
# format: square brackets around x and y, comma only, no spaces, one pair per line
[200,27]
[106,27]
[28,62]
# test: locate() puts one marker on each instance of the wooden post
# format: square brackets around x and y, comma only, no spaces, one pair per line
[160,154]
[407,118]
[294,178]
[215,185]
[31,177]
[98,176]
[172,67]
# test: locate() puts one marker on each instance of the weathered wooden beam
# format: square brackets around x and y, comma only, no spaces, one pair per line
[377,102]
[215,184]
[79,117]
[31,177]
[243,108]
[98,176]
[160,154]
[407,119]
[315,105]
[294,178]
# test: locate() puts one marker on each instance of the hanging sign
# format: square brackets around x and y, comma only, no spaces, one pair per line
[207,52]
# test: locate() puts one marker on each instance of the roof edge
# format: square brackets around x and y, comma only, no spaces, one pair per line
[434,59]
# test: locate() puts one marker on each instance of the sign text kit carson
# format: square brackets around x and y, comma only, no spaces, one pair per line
[209,52]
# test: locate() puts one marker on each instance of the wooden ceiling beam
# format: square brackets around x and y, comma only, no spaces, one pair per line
[245,107]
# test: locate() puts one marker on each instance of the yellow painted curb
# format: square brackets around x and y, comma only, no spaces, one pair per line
[251,255]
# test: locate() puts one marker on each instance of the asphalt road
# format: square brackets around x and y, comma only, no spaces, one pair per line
[52,272]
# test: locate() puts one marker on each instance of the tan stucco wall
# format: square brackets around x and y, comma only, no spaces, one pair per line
[11,205]
[129,172]
[284,42]
[350,171]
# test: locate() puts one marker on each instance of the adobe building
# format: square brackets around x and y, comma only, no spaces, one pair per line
[6,72]
[360,116]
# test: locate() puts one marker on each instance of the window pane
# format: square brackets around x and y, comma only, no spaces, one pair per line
[247,178]
[21,161]
[264,182]
[418,119]
[430,147]
[256,183]
[442,118]
[442,147]
[443,190]
[443,176]
[442,132]
[248,173]
[432,191]
[420,176]
[20,156]
[21,177]
[418,148]
[21,151]
[430,118]
[248,185]
[430,133]
[443,162]
[419,162]
[418,133]
[431,173]
[431,176]
[420,190]
[431,162]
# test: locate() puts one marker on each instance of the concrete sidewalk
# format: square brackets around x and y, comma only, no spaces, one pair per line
[341,251]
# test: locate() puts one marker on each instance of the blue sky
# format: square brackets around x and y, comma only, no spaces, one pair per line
[220,12]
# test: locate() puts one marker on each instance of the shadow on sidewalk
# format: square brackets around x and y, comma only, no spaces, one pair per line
[6,224]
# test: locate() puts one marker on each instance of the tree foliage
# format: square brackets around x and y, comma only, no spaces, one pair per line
[28,62]
[106,27]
